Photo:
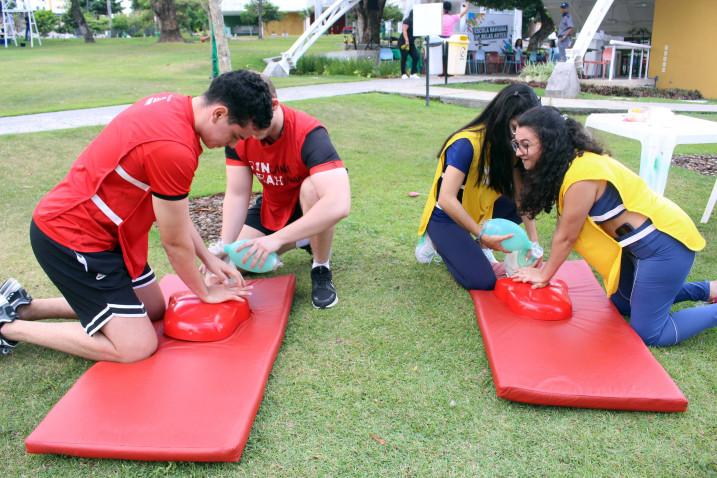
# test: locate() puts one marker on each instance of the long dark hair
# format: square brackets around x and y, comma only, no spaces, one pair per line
[561,140]
[494,121]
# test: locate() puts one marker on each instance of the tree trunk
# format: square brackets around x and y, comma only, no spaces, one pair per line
[79,18]
[109,14]
[260,16]
[217,19]
[546,28]
[166,12]
[368,23]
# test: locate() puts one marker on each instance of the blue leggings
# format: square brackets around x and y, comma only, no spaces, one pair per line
[463,255]
[652,278]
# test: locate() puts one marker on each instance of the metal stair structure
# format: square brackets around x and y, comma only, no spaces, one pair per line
[8,22]
[564,82]
[281,66]
[587,32]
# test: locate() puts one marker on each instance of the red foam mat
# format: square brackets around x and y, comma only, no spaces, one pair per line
[190,401]
[592,360]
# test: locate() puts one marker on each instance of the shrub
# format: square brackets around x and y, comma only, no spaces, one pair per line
[46,21]
[619,91]
[671,93]
[539,72]
[141,23]
[98,25]
[366,68]
[120,25]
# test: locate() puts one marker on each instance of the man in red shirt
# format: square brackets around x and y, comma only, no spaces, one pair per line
[305,193]
[90,233]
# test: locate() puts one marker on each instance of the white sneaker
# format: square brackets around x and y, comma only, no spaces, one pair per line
[404,77]
[415,77]
[425,252]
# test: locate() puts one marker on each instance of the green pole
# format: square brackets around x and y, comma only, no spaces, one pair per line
[215,58]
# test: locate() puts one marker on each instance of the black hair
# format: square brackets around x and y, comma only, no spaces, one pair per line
[561,140]
[519,43]
[447,6]
[497,157]
[245,94]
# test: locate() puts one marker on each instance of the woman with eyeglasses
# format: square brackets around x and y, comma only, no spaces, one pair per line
[642,244]
[478,178]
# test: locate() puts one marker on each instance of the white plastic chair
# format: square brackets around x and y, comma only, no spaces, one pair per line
[477,60]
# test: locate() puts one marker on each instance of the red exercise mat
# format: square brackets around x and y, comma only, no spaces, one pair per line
[592,360]
[190,401]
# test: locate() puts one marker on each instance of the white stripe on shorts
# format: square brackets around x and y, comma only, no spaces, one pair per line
[112,310]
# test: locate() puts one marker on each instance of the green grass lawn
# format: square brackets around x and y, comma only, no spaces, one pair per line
[393,381]
[490,86]
[69,74]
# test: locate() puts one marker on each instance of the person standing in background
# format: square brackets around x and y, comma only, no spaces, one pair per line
[407,46]
[448,25]
[565,31]
[448,21]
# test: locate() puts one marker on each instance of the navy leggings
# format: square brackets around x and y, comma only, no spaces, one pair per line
[462,254]
[652,279]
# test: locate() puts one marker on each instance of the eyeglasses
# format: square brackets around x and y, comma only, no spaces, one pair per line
[520,146]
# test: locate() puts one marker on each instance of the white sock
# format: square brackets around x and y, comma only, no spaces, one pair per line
[317,264]
[302,243]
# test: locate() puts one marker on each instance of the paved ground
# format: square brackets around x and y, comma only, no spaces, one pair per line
[412,88]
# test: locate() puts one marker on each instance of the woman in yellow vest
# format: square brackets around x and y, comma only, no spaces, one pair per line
[642,244]
[477,178]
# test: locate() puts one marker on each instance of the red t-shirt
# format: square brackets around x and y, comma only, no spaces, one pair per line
[282,166]
[163,163]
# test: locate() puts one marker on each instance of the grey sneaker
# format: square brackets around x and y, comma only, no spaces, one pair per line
[7,315]
[15,293]
[323,292]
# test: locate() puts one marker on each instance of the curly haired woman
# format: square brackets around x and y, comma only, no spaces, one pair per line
[641,243]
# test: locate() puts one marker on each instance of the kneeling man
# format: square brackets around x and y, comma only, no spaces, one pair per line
[305,193]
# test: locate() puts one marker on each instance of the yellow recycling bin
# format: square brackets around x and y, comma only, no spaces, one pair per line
[457,54]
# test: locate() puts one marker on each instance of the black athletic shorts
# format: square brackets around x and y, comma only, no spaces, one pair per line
[253,216]
[97,285]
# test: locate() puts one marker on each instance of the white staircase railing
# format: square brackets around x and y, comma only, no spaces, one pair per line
[8,23]
[328,17]
[587,32]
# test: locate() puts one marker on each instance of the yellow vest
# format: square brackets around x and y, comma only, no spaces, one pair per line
[477,199]
[600,250]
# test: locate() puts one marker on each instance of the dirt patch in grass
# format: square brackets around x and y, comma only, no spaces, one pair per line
[206,213]
[705,164]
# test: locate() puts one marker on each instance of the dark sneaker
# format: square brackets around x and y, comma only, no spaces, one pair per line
[7,315]
[15,293]
[323,292]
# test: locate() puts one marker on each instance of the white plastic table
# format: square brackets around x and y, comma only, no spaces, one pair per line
[658,142]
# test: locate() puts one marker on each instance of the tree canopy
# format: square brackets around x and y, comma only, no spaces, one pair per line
[269,13]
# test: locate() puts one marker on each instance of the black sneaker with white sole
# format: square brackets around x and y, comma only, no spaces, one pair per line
[15,293]
[323,291]
[7,315]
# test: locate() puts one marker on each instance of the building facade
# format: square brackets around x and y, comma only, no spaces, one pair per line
[683,38]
